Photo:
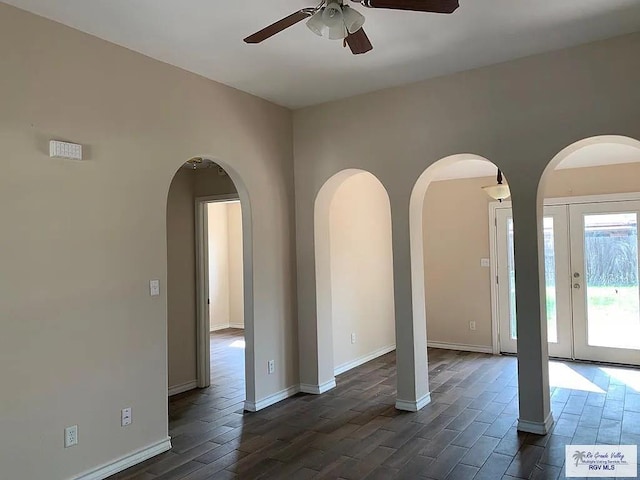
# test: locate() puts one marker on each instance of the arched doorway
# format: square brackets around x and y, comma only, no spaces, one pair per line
[450,252]
[354,270]
[590,193]
[204,189]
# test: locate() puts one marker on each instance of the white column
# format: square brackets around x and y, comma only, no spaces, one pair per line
[411,327]
[533,358]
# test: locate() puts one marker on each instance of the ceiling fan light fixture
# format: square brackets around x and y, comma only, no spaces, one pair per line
[316,23]
[353,19]
[332,15]
[338,33]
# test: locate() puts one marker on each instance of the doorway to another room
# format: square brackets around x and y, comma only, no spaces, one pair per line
[224,284]
[206,286]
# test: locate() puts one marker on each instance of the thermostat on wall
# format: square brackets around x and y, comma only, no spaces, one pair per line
[71,151]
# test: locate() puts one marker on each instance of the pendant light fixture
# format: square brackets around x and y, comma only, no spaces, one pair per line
[500,191]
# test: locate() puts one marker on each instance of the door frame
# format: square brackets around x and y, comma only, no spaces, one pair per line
[203,350]
[493,245]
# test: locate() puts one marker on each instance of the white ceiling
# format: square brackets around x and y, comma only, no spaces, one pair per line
[589,156]
[296,68]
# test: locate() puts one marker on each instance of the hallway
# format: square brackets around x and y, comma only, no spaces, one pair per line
[354,431]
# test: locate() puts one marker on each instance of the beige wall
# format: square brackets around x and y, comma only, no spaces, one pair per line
[456,237]
[81,337]
[361,270]
[225,266]
[218,220]
[181,274]
[236,275]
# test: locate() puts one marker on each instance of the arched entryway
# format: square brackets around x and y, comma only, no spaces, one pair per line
[354,270]
[590,196]
[200,190]
[450,251]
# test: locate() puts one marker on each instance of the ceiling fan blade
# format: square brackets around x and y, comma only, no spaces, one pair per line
[433,6]
[279,26]
[358,42]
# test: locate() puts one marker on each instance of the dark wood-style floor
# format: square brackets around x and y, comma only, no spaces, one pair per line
[354,431]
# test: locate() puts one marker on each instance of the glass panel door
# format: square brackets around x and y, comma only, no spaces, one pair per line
[606,295]
[557,292]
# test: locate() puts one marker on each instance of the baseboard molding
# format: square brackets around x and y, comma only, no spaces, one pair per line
[318,389]
[413,406]
[185,387]
[220,326]
[127,461]
[461,346]
[271,399]
[224,326]
[538,428]
[362,360]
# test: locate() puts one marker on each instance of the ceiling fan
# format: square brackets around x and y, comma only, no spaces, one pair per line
[337,21]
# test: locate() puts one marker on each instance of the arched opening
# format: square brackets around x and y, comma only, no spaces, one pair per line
[450,253]
[354,269]
[209,283]
[590,198]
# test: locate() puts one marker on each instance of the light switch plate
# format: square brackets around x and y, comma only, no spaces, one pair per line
[154,288]
[484,262]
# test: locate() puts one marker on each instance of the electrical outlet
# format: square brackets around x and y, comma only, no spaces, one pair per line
[472,325]
[125,417]
[485,262]
[353,338]
[70,436]
[271,366]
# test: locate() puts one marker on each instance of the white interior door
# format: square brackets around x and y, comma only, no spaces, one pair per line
[606,297]
[557,280]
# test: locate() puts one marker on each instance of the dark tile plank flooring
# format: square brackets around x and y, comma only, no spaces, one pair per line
[354,432]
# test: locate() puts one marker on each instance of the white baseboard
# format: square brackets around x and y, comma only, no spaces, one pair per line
[539,428]
[185,387]
[224,326]
[362,360]
[461,346]
[108,469]
[318,389]
[220,326]
[271,399]
[413,406]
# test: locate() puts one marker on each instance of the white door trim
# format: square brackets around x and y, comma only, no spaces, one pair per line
[493,241]
[203,354]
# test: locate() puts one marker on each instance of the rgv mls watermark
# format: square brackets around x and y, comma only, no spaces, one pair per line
[620,461]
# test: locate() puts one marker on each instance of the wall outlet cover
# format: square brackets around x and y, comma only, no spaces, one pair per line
[70,436]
